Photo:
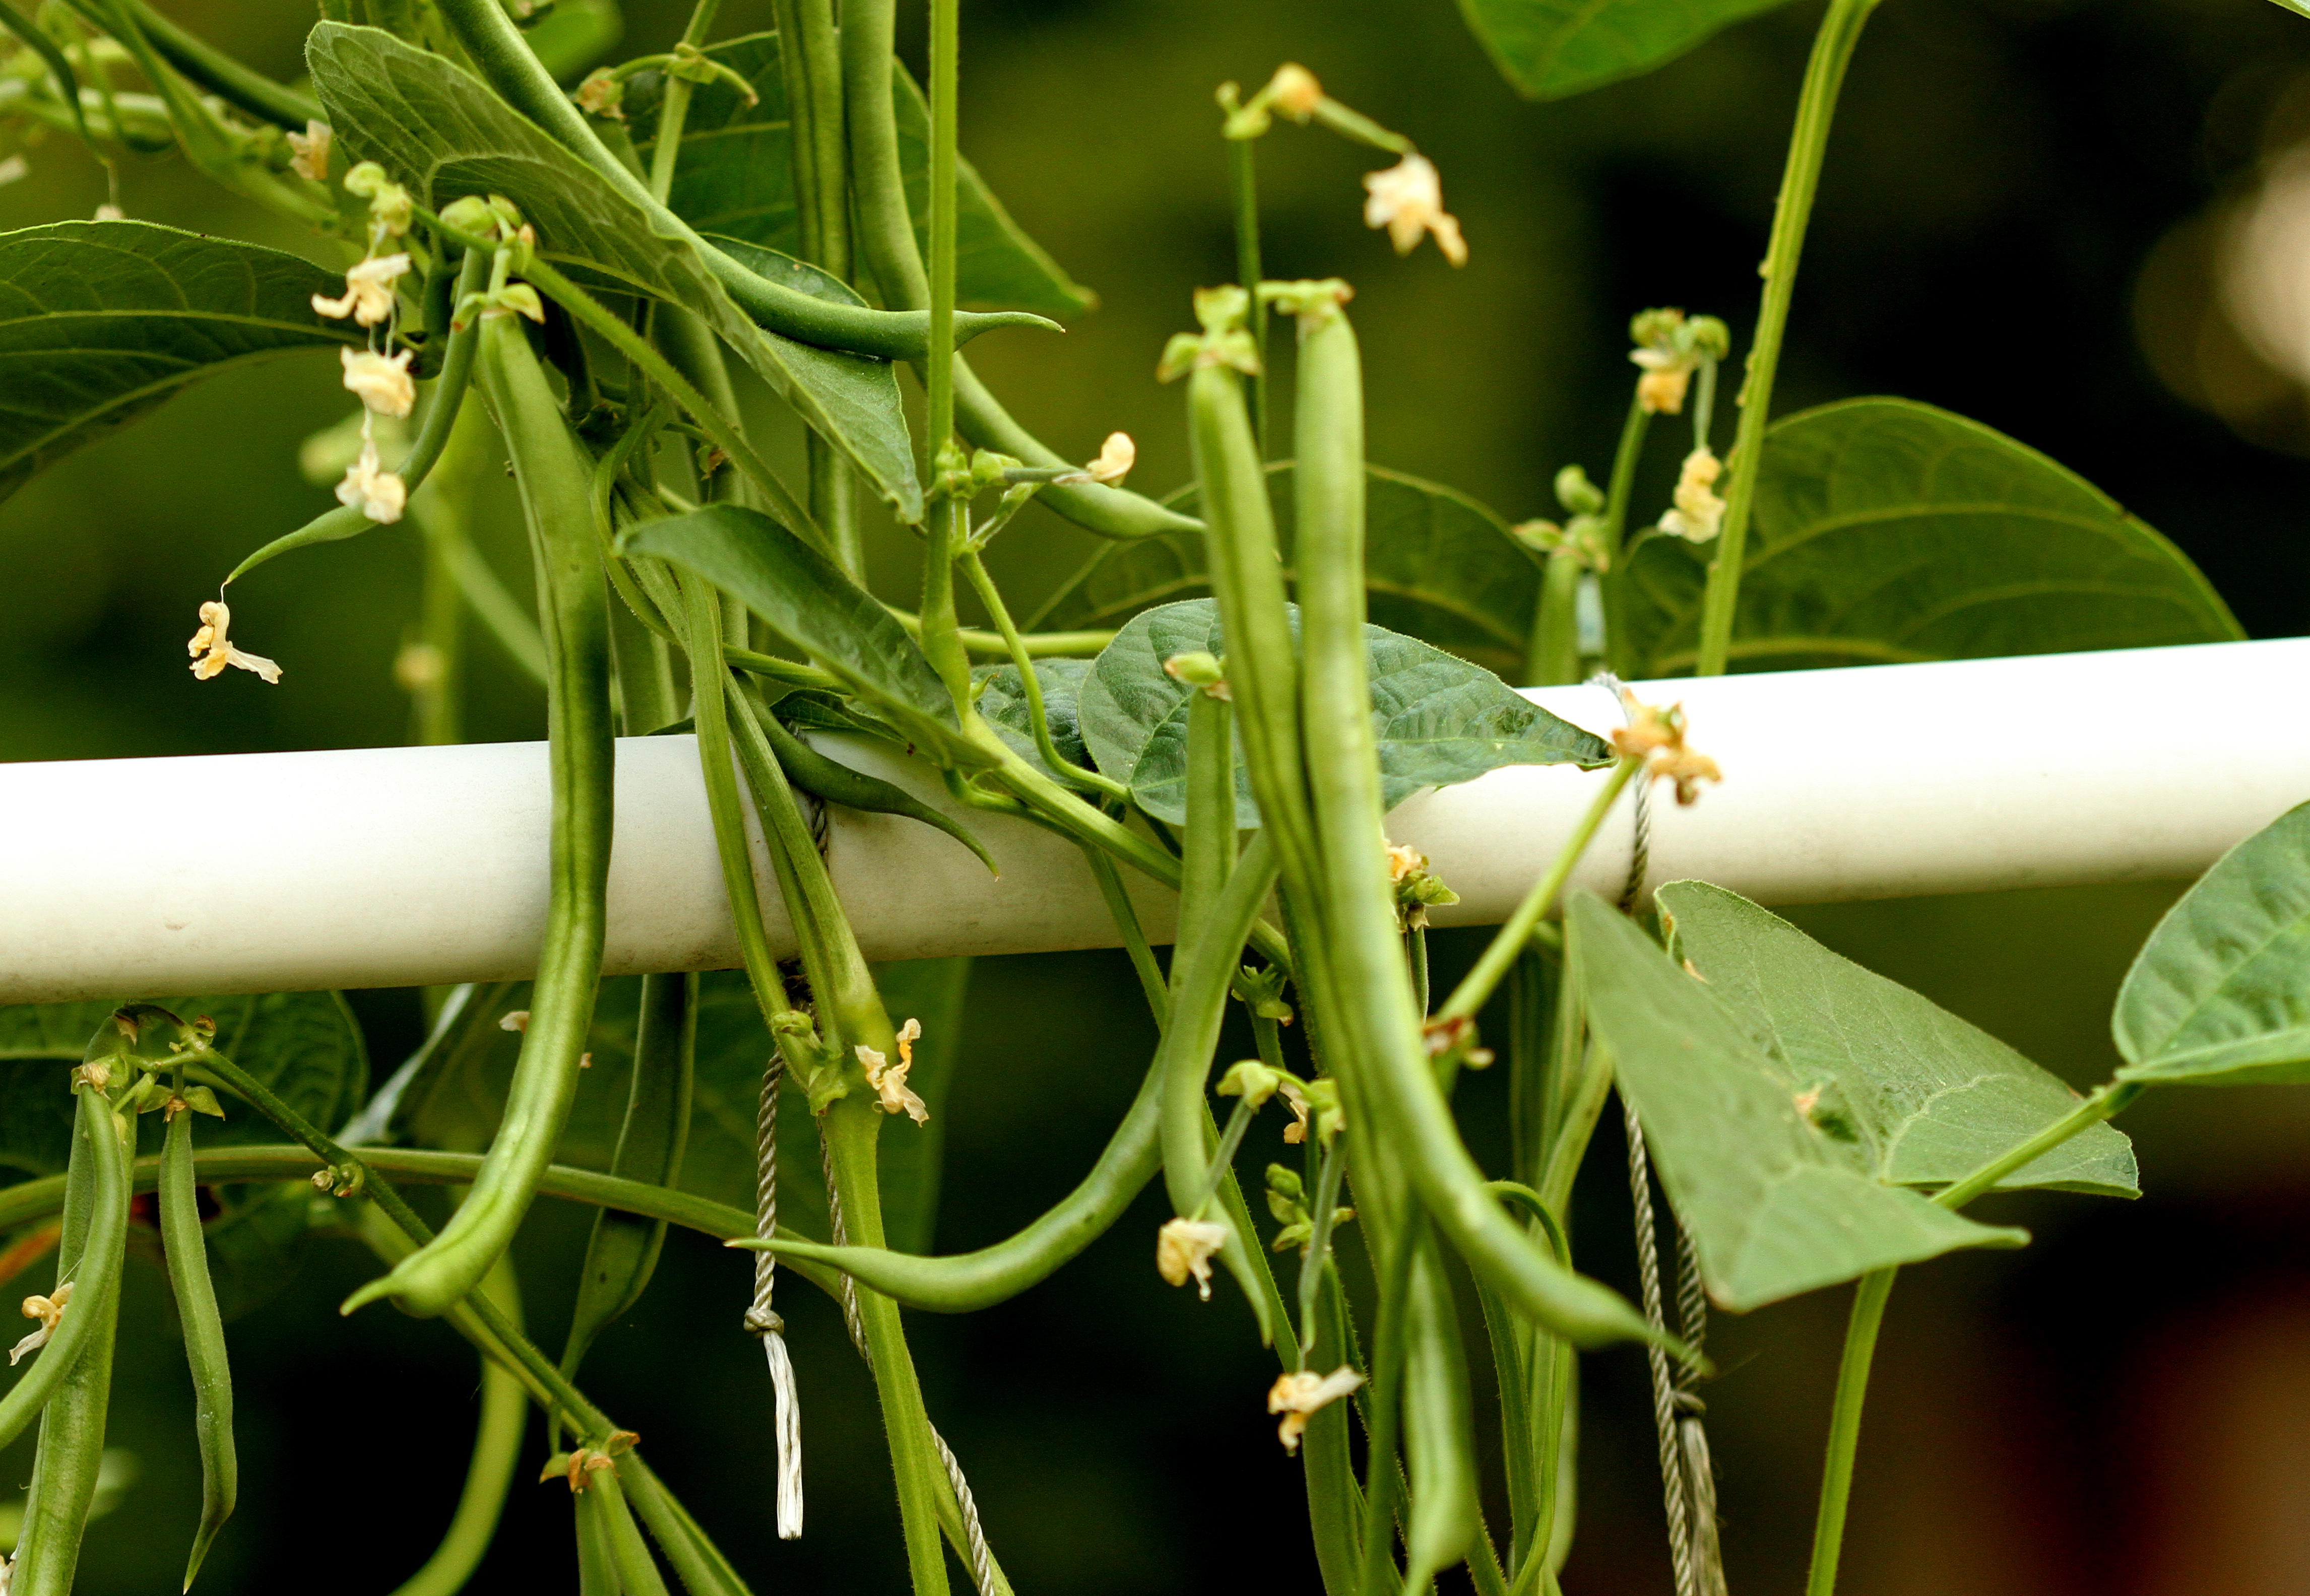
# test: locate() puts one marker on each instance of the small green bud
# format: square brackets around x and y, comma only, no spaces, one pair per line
[1577,494]
[1200,670]
[471,215]
[1252,1081]
[200,1100]
[1222,310]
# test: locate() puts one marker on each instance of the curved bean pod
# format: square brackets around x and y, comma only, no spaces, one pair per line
[95,1196]
[204,1326]
[552,471]
[837,783]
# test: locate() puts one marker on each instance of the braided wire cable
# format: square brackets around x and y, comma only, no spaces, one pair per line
[982,1560]
[762,1319]
[1675,1494]
[1699,1467]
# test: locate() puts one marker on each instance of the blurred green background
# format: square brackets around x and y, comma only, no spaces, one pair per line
[2122,1408]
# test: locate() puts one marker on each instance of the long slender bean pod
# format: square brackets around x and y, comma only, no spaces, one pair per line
[551,469]
[597,1574]
[1438,1422]
[215,70]
[203,1327]
[513,70]
[838,782]
[447,399]
[1206,863]
[637,1571]
[488,1473]
[622,1253]
[94,1199]
[71,1449]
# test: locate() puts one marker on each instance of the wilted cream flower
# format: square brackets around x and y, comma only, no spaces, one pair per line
[212,650]
[50,1312]
[602,94]
[1298,1396]
[1294,91]
[1295,1100]
[368,290]
[1699,512]
[310,152]
[110,213]
[1183,1247]
[1657,736]
[1117,456]
[381,495]
[514,1020]
[889,1080]
[1404,860]
[382,381]
[1408,200]
[1661,389]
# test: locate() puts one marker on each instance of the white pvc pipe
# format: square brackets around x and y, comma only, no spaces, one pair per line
[405,866]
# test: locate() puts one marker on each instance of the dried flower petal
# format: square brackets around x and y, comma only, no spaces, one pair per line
[1408,200]
[1183,1247]
[310,156]
[212,648]
[1699,512]
[382,381]
[368,290]
[381,495]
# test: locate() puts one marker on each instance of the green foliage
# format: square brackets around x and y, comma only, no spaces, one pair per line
[1548,49]
[1887,531]
[2217,995]
[1925,1098]
[809,601]
[306,1045]
[102,321]
[1439,719]
[1004,706]
[735,177]
[1776,1202]
[445,134]
[1439,567]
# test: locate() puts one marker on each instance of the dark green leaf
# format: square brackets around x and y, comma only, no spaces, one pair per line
[1776,1205]
[1548,49]
[304,1044]
[443,133]
[735,177]
[1887,531]
[1004,706]
[1438,567]
[1439,719]
[809,601]
[2219,994]
[102,321]
[1926,1098]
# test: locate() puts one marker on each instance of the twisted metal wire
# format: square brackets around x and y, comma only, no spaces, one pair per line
[1675,1491]
[982,1560]
[761,1319]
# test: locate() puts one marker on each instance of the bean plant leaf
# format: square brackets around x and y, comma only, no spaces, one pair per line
[1925,1098]
[1438,567]
[1776,1205]
[441,130]
[1550,48]
[306,1045]
[102,321]
[1439,719]
[1003,704]
[812,603]
[2220,995]
[1887,531]
[735,177]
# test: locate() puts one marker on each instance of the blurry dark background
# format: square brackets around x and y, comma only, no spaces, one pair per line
[2013,224]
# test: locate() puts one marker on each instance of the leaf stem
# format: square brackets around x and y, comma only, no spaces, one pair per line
[1832,52]
[674,106]
[944,79]
[1617,494]
[1844,1427]
[1029,687]
[1243,179]
[1476,989]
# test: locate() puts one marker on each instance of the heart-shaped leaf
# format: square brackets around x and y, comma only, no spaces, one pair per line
[1548,49]
[442,132]
[1438,566]
[1775,1203]
[736,176]
[1925,1098]
[102,321]
[1439,719]
[1003,704]
[306,1045]
[812,603]
[1888,532]
[2220,995]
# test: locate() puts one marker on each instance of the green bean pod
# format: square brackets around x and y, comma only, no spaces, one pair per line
[837,783]
[1378,1021]
[489,1471]
[71,1450]
[448,397]
[629,1555]
[622,1252]
[552,471]
[203,1327]
[1438,1425]
[597,1572]
[696,1561]
[1206,859]
[1335,1502]
[513,70]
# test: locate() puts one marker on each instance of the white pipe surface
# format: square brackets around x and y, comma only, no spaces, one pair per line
[407,866]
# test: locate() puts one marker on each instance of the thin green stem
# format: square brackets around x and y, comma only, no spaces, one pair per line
[674,106]
[1552,658]
[1243,181]
[945,79]
[1622,488]
[1476,989]
[1844,1427]
[489,1476]
[1832,52]
[1030,687]
[1125,915]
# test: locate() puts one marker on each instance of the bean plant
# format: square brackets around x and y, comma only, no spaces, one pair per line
[565,270]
